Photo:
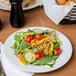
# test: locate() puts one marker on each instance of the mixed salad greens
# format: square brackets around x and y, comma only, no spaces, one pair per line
[37,47]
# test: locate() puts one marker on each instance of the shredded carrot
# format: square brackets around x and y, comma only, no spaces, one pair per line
[31,59]
[46,35]
[52,35]
[47,49]
[50,41]
[16,52]
[42,46]
[49,35]
[39,48]
[20,57]
[35,51]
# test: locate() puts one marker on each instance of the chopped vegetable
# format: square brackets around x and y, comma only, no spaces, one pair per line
[52,35]
[35,51]
[47,49]
[58,40]
[51,63]
[37,47]
[43,60]
[39,36]
[38,31]
[29,57]
[23,62]
[21,58]
[40,55]
[29,33]
[57,51]
[33,40]
[28,50]
[40,41]
[29,38]
[52,47]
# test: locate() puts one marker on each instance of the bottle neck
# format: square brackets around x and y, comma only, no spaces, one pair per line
[16,7]
[16,1]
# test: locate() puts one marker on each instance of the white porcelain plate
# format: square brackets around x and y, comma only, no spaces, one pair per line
[3,6]
[61,61]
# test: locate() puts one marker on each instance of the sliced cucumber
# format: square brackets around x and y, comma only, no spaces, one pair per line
[52,62]
[34,49]
[28,56]
[38,31]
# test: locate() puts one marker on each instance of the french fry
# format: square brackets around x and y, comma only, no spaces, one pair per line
[68,2]
[65,2]
[74,1]
[61,2]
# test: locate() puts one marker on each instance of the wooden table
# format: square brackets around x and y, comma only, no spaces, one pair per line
[37,17]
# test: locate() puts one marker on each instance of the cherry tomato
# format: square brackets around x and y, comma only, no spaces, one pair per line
[57,51]
[39,36]
[29,38]
[40,55]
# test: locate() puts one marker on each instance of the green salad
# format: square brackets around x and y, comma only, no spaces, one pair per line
[37,47]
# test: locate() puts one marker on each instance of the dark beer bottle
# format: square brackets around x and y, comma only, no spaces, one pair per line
[16,16]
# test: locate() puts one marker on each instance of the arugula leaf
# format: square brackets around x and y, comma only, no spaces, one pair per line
[48,31]
[29,30]
[17,36]
[34,49]
[22,44]
[28,46]
[42,50]
[56,45]
[46,42]
[55,57]
[16,45]
[43,60]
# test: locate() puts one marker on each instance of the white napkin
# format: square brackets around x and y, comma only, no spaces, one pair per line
[9,70]
[56,12]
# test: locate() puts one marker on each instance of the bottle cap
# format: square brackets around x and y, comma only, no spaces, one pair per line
[16,1]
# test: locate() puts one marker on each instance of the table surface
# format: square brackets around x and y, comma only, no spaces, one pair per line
[37,17]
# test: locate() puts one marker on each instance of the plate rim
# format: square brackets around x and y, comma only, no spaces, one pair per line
[38,3]
[46,28]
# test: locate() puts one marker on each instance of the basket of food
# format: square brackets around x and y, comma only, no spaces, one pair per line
[60,10]
[71,16]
